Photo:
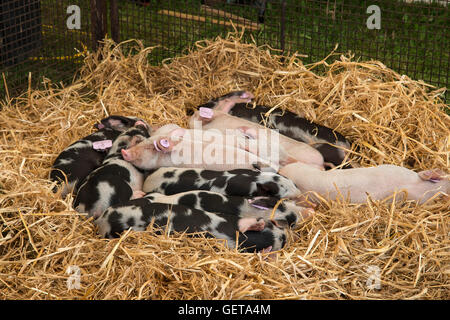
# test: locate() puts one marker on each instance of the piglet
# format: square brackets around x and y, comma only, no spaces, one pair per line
[178,147]
[287,213]
[330,143]
[253,234]
[240,182]
[82,157]
[289,150]
[357,184]
[116,180]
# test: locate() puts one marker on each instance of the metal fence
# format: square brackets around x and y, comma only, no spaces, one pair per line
[42,36]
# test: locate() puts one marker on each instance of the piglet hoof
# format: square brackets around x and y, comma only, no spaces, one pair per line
[251,224]
[266,250]
[307,213]
[137,194]
[225,105]
[247,96]
[268,255]
[258,225]
[239,96]
[242,97]
[96,214]
[433,175]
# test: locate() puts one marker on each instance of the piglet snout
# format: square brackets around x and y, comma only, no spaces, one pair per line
[126,154]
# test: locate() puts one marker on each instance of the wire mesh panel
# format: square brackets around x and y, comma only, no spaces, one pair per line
[21,30]
[176,25]
[36,37]
[409,36]
[412,37]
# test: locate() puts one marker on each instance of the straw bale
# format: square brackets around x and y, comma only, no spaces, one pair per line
[391,118]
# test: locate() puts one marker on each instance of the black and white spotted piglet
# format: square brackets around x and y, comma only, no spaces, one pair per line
[238,182]
[82,157]
[286,214]
[253,234]
[328,142]
[116,180]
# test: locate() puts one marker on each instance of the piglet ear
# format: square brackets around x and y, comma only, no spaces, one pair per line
[135,140]
[99,126]
[166,143]
[126,155]
[141,123]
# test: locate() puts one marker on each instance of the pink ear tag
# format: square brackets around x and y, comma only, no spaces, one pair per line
[206,113]
[250,201]
[163,142]
[259,207]
[102,145]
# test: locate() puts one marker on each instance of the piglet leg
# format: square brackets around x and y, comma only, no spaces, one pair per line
[137,194]
[266,250]
[252,146]
[433,175]
[251,224]
[227,104]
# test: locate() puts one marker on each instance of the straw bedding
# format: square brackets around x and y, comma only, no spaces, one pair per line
[335,255]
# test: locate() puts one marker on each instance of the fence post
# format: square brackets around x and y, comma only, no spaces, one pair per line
[283,25]
[98,21]
[114,16]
